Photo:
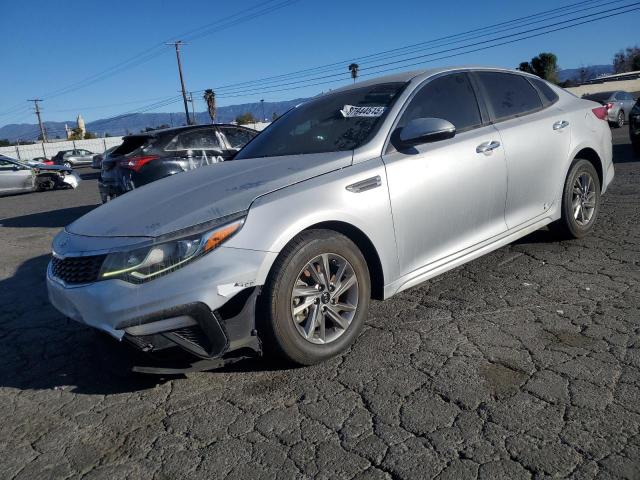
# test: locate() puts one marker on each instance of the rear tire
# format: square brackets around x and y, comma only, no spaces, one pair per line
[580,201]
[620,119]
[67,164]
[329,311]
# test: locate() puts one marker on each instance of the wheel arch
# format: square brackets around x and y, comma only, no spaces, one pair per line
[364,244]
[589,154]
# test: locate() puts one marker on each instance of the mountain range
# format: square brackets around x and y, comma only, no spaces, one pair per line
[133,123]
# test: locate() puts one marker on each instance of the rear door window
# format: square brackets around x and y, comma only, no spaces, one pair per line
[237,137]
[200,139]
[546,92]
[508,95]
[449,97]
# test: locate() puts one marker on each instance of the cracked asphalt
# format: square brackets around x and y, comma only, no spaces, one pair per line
[522,364]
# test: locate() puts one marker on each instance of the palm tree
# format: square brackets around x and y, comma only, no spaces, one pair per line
[210,97]
[354,71]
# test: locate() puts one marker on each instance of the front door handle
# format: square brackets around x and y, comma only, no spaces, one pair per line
[560,125]
[487,147]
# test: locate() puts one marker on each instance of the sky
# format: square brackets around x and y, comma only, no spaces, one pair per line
[70,53]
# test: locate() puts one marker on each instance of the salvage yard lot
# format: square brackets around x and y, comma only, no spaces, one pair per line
[522,364]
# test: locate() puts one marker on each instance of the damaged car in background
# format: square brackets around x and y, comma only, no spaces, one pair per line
[358,193]
[147,157]
[18,177]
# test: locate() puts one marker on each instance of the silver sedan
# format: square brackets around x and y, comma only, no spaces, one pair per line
[356,194]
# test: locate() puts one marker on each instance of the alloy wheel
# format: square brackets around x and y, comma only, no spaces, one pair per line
[621,119]
[324,298]
[584,199]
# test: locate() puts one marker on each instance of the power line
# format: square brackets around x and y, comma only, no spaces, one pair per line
[363,59]
[304,83]
[191,35]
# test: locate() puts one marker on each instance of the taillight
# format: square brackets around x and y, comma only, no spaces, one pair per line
[601,112]
[136,163]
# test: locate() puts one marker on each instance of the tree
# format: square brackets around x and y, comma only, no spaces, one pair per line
[5,143]
[76,134]
[89,136]
[210,98]
[627,60]
[245,118]
[544,66]
[525,67]
[354,67]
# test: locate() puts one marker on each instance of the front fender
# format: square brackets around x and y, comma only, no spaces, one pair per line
[276,218]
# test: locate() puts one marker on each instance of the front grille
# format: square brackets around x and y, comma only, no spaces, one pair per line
[74,270]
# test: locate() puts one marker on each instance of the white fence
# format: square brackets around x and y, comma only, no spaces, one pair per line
[27,152]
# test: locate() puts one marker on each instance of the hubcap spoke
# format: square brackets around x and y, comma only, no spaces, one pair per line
[345,285]
[298,309]
[305,291]
[344,307]
[337,318]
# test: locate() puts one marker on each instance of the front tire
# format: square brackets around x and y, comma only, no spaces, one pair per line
[316,299]
[580,201]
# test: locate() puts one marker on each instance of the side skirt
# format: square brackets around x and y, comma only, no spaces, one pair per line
[423,274]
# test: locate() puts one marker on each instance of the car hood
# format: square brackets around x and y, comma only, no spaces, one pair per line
[57,168]
[201,195]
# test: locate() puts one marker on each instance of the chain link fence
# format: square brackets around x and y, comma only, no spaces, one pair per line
[48,150]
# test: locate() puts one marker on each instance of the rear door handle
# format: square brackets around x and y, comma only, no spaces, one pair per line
[560,125]
[487,147]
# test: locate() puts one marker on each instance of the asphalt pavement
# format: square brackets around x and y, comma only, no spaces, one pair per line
[522,364]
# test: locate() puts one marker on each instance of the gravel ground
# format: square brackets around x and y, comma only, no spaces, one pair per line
[522,364]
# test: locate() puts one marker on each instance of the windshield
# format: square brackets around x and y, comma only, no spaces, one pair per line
[334,122]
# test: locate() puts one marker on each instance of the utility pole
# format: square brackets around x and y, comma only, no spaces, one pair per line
[193,109]
[42,132]
[177,45]
[263,117]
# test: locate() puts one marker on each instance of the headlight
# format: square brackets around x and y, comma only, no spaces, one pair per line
[144,264]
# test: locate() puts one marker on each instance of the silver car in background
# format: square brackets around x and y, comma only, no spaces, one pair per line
[73,158]
[618,103]
[359,193]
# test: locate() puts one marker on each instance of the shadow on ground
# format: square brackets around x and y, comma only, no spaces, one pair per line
[41,350]
[623,153]
[54,219]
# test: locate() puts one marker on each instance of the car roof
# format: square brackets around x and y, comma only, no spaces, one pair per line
[162,131]
[423,74]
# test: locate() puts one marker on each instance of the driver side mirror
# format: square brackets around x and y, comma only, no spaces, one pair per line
[424,130]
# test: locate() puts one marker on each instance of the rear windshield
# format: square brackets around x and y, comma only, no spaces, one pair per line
[130,144]
[334,122]
[598,97]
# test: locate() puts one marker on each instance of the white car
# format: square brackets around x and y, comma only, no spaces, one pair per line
[361,192]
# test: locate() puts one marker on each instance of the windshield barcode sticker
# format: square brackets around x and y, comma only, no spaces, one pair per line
[349,111]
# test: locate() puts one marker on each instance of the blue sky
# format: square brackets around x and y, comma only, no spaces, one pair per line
[50,45]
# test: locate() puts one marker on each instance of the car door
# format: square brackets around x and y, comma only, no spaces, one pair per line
[536,137]
[14,178]
[449,195]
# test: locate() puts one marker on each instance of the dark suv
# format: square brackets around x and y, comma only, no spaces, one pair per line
[150,156]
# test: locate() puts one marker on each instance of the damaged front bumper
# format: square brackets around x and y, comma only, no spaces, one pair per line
[206,308]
